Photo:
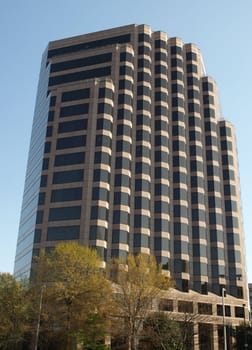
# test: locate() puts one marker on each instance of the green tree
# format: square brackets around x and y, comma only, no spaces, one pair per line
[243,337]
[14,312]
[76,295]
[161,333]
[138,281]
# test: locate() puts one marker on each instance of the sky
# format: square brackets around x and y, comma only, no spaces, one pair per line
[222,30]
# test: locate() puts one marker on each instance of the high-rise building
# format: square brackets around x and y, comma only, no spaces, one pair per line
[129,153]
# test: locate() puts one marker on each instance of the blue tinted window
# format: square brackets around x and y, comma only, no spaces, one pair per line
[74,125]
[70,142]
[119,39]
[66,194]
[81,62]
[61,177]
[74,110]
[65,213]
[77,76]
[69,159]
[75,95]
[63,233]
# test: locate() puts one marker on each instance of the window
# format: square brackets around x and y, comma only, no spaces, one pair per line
[142,203]
[161,225]
[142,185]
[125,84]
[121,198]
[122,180]
[103,124]
[102,157]
[74,125]
[142,135]
[104,108]
[207,86]
[77,76]
[143,50]
[39,217]
[69,159]
[81,62]
[160,56]
[74,110]
[185,306]
[105,92]
[125,99]
[141,240]
[63,233]
[161,190]
[143,63]
[191,56]
[126,56]
[160,44]
[205,309]
[99,213]
[123,129]
[220,310]
[47,148]
[166,305]
[142,168]
[126,70]
[75,95]
[124,114]
[66,194]
[120,236]
[161,173]
[49,131]
[65,213]
[101,175]
[161,243]
[52,101]
[123,146]
[45,164]
[176,62]
[191,68]
[99,193]
[141,221]
[98,232]
[176,50]
[122,163]
[71,142]
[208,99]
[176,75]
[50,117]
[239,311]
[103,140]
[120,217]
[61,177]
[41,199]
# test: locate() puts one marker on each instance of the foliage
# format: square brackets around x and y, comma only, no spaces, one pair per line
[161,333]
[138,280]
[76,294]
[14,312]
[244,336]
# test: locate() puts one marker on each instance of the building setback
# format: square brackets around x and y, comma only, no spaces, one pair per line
[128,153]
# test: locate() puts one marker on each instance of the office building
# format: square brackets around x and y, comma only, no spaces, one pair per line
[129,153]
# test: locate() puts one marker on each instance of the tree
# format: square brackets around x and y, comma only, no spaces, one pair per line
[14,312]
[161,333]
[138,281]
[76,295]
[243,337]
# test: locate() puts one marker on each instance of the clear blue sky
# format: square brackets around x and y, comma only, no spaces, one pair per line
[222,29]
